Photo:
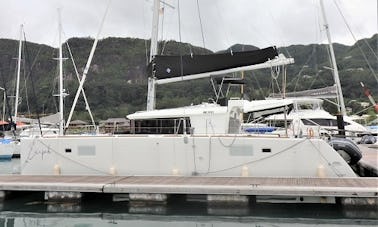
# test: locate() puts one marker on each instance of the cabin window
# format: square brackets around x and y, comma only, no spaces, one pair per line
[279,123]
[334,123]
[161,126]
[322,122]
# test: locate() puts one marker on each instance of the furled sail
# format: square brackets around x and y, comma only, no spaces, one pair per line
[176,66]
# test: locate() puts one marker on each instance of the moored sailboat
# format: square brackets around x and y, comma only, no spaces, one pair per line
[201,139]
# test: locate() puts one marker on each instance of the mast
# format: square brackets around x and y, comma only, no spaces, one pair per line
[151,91]
[61,90]
[18,75]
[340,97]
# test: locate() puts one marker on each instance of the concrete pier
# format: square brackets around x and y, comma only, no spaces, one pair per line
[63,196]
[148,197]
[227,199]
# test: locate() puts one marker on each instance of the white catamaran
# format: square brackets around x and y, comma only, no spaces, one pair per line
[203,139]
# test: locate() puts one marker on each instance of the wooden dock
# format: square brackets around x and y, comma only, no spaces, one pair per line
[248,186]
[368,165]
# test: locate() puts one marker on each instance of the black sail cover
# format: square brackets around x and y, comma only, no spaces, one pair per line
[176,66]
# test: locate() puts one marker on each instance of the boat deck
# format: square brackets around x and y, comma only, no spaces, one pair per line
[332,187]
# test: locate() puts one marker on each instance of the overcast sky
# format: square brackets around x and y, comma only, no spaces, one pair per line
[224,22]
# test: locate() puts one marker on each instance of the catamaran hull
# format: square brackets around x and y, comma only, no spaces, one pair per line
[181,155]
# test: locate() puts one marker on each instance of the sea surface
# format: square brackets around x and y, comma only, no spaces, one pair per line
[30,210]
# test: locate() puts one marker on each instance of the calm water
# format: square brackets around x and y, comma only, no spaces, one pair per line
[29,210]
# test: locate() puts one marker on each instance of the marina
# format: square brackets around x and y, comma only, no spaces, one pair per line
[238,157]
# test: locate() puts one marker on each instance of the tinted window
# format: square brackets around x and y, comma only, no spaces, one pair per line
[321,122]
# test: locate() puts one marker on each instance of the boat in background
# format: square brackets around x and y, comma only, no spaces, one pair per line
[7,148]
[309,118]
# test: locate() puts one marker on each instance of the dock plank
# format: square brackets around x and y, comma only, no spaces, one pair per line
[369,154]
[343,187]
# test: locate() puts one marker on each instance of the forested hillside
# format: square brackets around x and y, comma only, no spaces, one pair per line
[117,80]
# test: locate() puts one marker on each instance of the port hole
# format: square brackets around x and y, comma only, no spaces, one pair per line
[68,150]
[266,150]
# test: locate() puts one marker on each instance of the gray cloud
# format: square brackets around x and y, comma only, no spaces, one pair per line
[225,22]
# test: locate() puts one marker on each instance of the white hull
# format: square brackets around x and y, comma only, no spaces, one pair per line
[231,155]
[7,150]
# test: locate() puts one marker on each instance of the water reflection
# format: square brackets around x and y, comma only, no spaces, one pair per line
[19,219]
[29,210]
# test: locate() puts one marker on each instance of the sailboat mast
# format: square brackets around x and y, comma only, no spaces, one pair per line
[151,91]
[18,75]
[334,65]
[61,90]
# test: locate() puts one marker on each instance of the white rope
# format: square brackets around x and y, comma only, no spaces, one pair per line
[220,141]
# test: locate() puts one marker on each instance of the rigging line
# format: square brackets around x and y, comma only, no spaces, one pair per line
[179,20]
[200,20]
[162,22]
[350,30]
[24,74]
[165,43]
[273,71]
[332,70]
[13,87]
[279,30]
[54,85]
[303,67]
[179,31]
[223,25]
[28,75]
[259,88]
[317,78]
[31,67]
[144,29]
[359,47]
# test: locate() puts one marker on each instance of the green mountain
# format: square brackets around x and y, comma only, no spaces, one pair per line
[117,80]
